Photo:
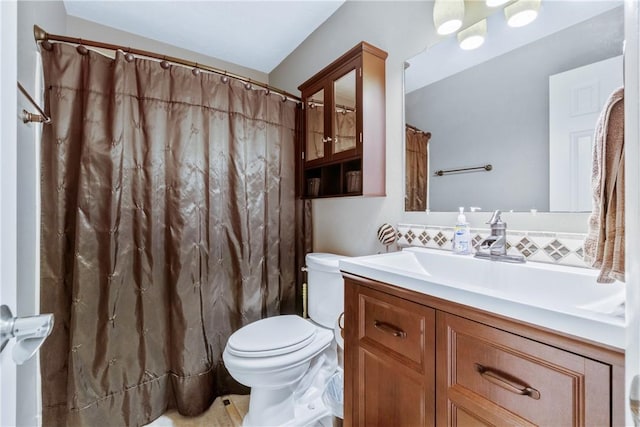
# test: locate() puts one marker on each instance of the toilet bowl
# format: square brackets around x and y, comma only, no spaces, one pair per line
[287,360]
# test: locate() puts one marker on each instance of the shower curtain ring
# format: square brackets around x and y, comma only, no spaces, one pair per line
[128,55]
[81,49]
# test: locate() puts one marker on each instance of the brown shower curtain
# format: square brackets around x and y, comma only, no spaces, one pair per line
[416,168]
[167,211]
[345,123]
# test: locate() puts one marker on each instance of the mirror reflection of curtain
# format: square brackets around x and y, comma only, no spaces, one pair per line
[416,159]
[167,208]
[345,122]
[315,133]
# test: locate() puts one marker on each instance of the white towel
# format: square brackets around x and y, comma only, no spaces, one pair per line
[604,244]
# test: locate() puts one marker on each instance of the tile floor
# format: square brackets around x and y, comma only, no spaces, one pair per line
[226,411]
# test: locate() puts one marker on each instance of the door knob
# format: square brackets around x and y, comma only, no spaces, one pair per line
[29,332]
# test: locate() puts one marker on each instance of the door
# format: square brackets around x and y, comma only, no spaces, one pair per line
[390,360]
[315,127]
[344,114]
[332,118]
[576,98]
[632,219]
[8,213]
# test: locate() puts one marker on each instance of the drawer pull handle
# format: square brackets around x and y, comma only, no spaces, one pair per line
[500,380]
[389,329]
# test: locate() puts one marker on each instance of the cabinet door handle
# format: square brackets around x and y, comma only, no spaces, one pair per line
[501,380]
[389,329]
[327,139]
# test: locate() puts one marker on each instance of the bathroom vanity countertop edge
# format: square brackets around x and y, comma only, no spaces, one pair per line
[595,327]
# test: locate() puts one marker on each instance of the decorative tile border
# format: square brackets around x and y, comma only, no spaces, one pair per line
[536,246]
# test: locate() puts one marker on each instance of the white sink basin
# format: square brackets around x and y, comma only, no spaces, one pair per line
[563,298]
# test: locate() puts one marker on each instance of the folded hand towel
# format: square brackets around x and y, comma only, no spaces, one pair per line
[604,244]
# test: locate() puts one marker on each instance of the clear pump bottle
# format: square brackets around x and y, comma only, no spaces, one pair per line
[462,235]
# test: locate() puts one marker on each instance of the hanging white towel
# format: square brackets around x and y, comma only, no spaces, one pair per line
[604,244]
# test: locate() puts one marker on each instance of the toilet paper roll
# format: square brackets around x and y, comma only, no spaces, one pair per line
[338,330]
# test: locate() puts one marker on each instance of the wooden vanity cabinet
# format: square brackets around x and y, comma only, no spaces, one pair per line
[489,377]
[434,362]
[391,360]
[343,149]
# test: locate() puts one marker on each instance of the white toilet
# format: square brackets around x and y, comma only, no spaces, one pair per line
[287,360]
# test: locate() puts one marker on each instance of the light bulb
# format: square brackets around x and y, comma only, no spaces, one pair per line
[522,12]
[448,15]
[473,36]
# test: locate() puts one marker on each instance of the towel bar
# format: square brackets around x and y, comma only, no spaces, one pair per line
[486,168]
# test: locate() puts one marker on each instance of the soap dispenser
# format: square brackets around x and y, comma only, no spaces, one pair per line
[462,235]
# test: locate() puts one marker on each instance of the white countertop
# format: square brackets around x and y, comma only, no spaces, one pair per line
[564,299]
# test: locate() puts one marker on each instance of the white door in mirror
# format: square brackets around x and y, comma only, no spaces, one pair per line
[576,98]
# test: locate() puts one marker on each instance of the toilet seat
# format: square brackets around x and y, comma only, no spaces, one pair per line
[273,336]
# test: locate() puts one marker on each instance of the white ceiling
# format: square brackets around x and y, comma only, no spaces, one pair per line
[256,34]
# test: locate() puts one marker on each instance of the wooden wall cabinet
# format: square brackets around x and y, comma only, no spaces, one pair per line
[343,149]
[414,360]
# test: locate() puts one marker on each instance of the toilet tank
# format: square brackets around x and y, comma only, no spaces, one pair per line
[325,288]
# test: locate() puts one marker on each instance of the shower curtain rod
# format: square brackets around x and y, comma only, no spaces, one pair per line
[313,103]
[415,129]
[30,117]
[41,36]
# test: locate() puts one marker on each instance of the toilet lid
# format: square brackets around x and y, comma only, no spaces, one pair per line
[272,336]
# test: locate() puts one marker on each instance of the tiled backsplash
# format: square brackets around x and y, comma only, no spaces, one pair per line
[538,246]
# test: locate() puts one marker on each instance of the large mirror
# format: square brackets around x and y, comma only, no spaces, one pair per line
[519,112]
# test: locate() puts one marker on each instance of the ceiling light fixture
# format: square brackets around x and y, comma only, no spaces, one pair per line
[496,3]
[522,12]
[448,15]
[473,36]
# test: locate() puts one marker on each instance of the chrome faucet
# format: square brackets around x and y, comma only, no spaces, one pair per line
[497,241]
[494,247]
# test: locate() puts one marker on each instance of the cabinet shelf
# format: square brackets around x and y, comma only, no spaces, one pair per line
[342,178]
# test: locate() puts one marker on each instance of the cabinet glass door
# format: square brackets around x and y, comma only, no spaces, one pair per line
[315,126]
[344,114]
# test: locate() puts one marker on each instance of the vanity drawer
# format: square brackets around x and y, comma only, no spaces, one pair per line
[503,378]
[395,327]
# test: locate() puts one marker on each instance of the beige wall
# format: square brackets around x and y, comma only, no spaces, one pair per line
[402,28]
[82,28]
